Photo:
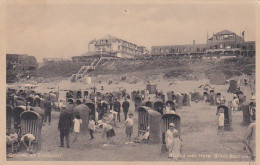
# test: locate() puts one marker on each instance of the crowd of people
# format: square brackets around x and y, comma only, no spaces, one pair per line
[108,114]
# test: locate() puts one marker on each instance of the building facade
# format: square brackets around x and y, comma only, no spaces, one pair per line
[47,60]
[112,47]
[223,43]
[21,62]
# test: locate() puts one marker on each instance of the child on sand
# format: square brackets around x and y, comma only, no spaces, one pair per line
[221,118]
[177,144]
[108,131]
[91,126]
[129,128]
[77,122]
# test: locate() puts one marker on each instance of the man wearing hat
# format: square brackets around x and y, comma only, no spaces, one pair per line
[65,123]
[125,106]
[48,108]
[117,106]
[169,138]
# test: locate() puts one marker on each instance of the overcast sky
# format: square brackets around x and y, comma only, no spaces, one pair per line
[64,30]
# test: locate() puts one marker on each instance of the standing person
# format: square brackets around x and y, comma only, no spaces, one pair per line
[91,126]
[235,103]
[129,128]
[249,140]
[100,110]
[125,106]
[108,131]
[48,108]
[117,106]
[169,139]
[168,108]
[177,145]
[65,123]
[221,119]
[77,122]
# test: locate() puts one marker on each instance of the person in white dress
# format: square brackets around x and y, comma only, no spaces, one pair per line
[221,120]
[177,145]
[77,122]
[169,139]
[235,103]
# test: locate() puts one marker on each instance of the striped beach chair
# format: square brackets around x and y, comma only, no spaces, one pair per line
[31,123]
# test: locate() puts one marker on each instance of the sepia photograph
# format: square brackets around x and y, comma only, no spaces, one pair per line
[130,81]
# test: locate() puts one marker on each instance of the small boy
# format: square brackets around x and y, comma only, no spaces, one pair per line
[28,138]
[221,119]
[129,128]
[91,126]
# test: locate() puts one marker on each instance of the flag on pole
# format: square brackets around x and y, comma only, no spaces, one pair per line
[243,33]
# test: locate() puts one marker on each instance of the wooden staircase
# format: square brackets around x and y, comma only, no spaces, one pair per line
[86,69]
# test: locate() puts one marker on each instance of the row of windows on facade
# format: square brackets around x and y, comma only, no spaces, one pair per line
[124,49]
[225,37]
[124,43]
[178,50]
[221,46]
[21,61]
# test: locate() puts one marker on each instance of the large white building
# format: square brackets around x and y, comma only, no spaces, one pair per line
[110,46]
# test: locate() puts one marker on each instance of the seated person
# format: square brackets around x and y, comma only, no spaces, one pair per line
[11,139]
[27,138]
[144,136]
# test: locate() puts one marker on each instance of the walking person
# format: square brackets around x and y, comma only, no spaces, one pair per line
[77,122]
[117,106]
[48,109]
[169,139]
[65,123]
[91,126]
[125,106]
[129,128]
[221,119]
[249,140]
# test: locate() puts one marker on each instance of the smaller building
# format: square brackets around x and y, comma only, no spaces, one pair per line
[179,50]
[21,62]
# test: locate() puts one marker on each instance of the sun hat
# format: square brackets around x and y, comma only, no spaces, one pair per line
[172,125]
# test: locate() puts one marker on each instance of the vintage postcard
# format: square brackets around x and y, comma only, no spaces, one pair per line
[129,81]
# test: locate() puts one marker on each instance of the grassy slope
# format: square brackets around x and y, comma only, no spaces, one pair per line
[169,68]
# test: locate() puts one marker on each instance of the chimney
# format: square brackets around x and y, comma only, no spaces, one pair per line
[193,42]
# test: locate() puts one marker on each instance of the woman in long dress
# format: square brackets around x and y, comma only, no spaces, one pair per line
[169,139]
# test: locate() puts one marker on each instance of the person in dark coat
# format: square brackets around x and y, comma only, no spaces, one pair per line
[125,106]
[117,106]
[48,108]
[100,110]
[65,123]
